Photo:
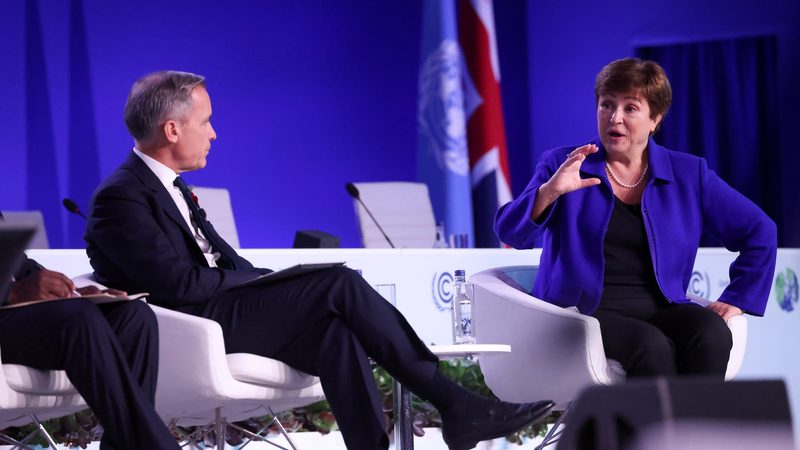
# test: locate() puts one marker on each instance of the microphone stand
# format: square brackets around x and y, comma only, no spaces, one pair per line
[353,191]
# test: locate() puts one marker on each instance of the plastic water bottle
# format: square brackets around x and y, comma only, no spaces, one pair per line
[440,242]
[461,307]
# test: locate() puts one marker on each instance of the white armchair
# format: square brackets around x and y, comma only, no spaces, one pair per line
[555,352]
[199,385]
[31,395]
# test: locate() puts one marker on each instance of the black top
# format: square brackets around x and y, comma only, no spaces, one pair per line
[629,273]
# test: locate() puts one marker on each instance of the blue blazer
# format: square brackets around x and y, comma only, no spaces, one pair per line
[162,257]
[682,199]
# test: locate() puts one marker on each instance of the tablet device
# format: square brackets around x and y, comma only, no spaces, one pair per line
[290,272]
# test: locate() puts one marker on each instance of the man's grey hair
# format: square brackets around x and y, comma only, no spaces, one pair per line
[158,97]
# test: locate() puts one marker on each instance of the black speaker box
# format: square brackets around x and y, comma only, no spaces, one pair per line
[614,417]
[315,239]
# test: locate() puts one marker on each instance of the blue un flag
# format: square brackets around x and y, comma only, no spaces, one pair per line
[442,155]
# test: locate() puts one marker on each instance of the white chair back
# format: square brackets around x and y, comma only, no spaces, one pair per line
[217,204]
[404,211]
[36,218]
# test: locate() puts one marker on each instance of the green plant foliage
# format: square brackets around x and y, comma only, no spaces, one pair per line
[467,373]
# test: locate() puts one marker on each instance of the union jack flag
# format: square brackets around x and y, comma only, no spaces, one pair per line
[486,137]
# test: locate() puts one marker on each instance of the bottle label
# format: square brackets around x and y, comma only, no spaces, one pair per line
[461,309]
[466,320]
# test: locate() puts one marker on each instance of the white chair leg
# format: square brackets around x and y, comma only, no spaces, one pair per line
[190,438]
[23,444]
[221,432]
[283,430]
[219,428]
[554,434]
[17,444]
[258,436]
[44,432]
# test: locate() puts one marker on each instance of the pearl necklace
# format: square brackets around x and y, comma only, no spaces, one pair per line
[626,186]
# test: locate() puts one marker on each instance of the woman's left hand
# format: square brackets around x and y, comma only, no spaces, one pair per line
[725,310]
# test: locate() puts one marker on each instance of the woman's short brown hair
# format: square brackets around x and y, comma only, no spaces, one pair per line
[634,74]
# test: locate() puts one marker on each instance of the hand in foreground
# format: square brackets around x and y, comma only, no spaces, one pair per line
[94,290]
[725,310]
[42,285]
[568,178]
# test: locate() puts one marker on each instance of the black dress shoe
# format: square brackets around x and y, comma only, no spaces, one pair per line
[492,419]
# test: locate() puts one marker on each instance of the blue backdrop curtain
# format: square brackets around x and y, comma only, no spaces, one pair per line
[42,170]
[724,108]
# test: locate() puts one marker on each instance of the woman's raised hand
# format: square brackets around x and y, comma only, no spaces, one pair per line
[565,180]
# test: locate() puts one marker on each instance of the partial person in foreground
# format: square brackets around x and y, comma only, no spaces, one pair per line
[621,219]
[327,323]
[109,352]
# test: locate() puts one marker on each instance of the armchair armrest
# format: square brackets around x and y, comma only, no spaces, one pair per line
[738,327]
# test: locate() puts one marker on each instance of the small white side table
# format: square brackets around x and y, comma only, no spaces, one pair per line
[403,430]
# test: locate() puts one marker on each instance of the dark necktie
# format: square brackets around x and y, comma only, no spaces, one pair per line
[226,260]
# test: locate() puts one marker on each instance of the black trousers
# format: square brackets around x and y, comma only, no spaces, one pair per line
[656,338]
[327,324]
[110,354]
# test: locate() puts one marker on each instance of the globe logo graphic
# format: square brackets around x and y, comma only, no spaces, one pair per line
[442,290]
[700,284]
[441,115]
[786,289]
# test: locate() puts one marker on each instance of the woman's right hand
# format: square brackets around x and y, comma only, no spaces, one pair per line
[568,178]
[565,180]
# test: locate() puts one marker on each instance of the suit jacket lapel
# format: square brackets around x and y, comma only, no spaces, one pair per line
[151,181]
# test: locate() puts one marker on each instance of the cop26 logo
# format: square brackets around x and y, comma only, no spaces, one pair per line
[442,290]
[786,289]
[700,284]
[441,116]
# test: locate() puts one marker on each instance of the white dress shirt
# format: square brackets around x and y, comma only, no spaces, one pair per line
[167,177]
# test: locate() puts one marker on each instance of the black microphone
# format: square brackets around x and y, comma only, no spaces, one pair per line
[73,207]
[353,191]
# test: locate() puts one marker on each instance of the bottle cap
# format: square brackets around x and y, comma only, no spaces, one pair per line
[460,272]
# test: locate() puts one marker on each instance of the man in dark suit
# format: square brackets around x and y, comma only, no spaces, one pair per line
[146,232]
[109,352]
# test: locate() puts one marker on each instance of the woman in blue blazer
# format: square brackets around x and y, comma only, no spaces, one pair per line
[621,219]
